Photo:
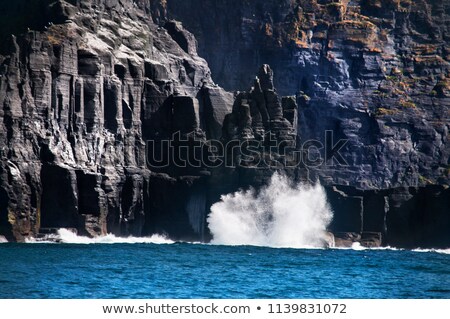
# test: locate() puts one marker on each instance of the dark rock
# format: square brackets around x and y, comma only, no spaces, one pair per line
[259,112]
[348,211]
[342,239]
[182,218]
[365,239]
[371,239]
[215,104]
[419,217]
[181,36]
[265,76]
[80,93]
[156,71]
[290,109]
[273,105]
[59,199]
[402,217]
[373,72]
[376,206]
[185,114]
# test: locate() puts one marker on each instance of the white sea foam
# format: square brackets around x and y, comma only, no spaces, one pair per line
[68,237]
[281,214]
[439,251]
[358,246]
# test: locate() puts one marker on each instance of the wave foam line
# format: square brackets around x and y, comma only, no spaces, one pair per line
[67,237]
[359,247]
[439,251]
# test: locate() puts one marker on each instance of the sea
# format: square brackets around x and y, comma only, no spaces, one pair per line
[270,243]
[160,268]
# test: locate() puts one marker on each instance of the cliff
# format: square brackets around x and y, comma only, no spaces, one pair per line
[90,89]
[375,72]
[80,91]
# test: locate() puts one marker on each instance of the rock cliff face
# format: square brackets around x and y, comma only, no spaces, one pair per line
[375,72]
[90,89]
[80,92]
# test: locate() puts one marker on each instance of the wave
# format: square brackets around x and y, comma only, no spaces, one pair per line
[439,251]
[281,214]
[358,247]
[68,237]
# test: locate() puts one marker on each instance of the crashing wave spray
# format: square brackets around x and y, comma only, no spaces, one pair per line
[279,215]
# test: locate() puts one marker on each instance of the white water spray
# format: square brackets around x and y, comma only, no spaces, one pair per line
[68,237]
[279,215]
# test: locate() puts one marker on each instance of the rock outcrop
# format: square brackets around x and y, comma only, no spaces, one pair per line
[402,217]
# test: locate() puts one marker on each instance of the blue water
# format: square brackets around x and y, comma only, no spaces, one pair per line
[205,271]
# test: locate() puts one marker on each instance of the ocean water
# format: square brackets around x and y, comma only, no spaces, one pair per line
[266,244]
[183,270]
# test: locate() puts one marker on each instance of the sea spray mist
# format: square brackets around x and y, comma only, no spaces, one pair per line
[281,214]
